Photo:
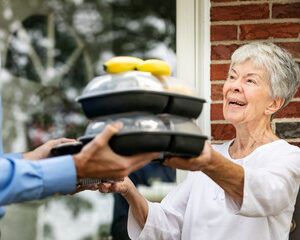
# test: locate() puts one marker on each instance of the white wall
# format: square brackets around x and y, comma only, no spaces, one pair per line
[193,54]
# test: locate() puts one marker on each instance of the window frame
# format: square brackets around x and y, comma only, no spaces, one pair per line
[193,55]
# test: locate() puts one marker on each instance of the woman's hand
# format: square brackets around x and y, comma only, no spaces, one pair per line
[44,150]
[192,164]
[121,187]
[136,201]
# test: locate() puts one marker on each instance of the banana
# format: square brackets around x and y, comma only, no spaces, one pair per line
[155,66]
[121,64]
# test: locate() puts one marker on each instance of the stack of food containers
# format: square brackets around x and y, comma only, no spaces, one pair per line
[154,117]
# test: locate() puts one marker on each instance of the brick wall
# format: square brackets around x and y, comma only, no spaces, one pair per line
[236,22]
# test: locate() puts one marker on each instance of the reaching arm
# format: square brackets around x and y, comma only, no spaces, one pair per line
[26,180]
[29,180]
[261,186]
[225,173]
[149,220]
[136,201]
[138,205]
[44,151]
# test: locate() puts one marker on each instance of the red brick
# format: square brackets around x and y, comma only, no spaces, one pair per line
[292,47]
[223,0]
[267,30]
[223,52]
[295,143]
[217,92]
[222,131]
[219,71]
[240,12]
[290,10]
[297,95]
[223,32]
[216,111]
[292,110]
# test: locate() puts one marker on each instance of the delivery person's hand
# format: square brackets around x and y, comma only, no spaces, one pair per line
[96,159]
[44,150]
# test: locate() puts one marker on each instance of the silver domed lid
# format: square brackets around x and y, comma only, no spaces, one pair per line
[110,83]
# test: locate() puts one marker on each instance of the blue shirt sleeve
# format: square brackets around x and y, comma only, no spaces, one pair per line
[12,155]
[24,180]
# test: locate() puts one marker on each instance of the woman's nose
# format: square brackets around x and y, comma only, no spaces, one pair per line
[237,89]
[236,86]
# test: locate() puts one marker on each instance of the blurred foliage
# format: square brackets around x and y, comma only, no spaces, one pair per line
[77,204]
[54,116]
[100,28]
[88,238]
[65,48]
[48,231]
[127,27]
[104,231]
[22,62]
[74,203]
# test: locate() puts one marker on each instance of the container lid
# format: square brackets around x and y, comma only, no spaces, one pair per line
[132,122]
[110,83]
[177,124]
[144,122]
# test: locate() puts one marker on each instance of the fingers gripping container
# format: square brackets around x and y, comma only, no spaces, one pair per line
[155,118]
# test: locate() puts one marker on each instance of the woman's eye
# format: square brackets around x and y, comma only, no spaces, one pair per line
[231,77]
[250,81]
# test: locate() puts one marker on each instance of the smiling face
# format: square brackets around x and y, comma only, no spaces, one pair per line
[246,94]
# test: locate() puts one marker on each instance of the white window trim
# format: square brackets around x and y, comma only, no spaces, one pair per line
[193,55]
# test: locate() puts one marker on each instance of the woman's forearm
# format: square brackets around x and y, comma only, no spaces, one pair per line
[227,175]
[138,205]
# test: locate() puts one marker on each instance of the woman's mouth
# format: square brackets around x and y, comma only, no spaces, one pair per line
[237,103]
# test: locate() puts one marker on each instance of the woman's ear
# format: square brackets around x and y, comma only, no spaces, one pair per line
[274,106]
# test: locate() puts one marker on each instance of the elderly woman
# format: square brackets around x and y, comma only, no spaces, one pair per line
[245,188]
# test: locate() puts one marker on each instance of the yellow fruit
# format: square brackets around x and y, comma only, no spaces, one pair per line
[121,64]
[155,66]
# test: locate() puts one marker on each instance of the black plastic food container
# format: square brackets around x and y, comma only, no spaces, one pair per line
[143,132]
[135,91]
[126,101]
[66,148]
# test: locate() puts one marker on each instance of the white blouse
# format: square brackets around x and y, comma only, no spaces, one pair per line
[199,209]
